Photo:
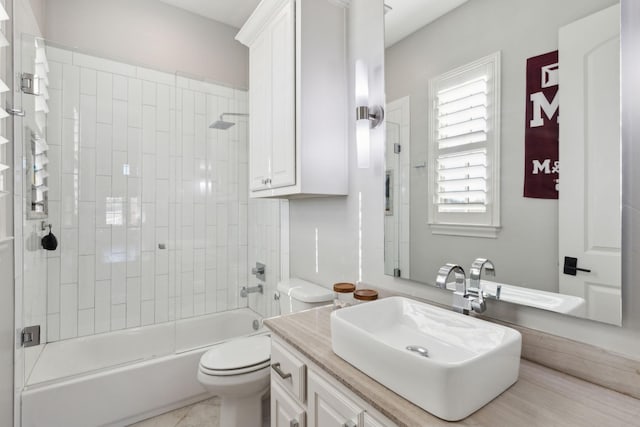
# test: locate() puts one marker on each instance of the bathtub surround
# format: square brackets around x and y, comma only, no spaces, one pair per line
[155,236]
[268,244]
[135,170]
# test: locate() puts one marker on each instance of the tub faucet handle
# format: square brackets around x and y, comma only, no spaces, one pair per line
[259,271]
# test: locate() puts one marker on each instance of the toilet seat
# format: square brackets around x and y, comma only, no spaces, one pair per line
[240,356]
[229,372]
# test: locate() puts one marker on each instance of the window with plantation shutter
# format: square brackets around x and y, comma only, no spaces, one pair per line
[464,150]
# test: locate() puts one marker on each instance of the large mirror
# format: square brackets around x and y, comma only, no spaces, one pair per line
[485,100]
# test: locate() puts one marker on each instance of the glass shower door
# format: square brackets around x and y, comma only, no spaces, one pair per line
[30,138]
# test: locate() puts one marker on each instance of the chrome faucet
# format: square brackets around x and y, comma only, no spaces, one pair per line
[475,284]
[463,299]
[245,291]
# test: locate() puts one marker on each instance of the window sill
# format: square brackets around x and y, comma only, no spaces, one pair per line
[463,230]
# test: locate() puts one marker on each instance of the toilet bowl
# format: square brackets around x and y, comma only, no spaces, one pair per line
[239,370]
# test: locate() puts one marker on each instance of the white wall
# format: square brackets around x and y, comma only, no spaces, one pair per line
[150,33]
[39,8]
[264,246]
[337,222]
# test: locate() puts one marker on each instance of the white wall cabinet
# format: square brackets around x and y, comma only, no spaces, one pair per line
[298,98]
[326,403]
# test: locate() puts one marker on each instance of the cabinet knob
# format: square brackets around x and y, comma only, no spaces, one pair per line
[349,424]
[294,423]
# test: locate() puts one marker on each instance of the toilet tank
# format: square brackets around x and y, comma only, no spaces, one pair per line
[298,294]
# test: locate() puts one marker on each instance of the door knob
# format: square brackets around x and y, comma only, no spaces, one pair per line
[571,266]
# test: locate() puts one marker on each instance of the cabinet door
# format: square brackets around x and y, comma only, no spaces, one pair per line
[285,412]
[283,107]
[328,407]
[260,112]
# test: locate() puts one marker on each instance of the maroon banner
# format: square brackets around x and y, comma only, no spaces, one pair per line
[541,165]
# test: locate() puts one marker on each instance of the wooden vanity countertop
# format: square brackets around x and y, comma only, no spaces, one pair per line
[541,397]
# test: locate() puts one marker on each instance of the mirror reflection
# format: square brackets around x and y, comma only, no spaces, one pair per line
[486,99]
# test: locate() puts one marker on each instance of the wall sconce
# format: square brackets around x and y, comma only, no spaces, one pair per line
[367,118]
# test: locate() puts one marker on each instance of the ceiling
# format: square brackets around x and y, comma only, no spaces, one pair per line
[404,18]
[408,16]
[230,12]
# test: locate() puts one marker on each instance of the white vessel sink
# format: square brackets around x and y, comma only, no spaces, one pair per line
[469,363]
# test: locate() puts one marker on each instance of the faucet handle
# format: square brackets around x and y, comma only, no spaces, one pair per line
[478,305]
[495,296]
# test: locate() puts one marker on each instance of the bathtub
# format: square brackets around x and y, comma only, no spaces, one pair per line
[117,378]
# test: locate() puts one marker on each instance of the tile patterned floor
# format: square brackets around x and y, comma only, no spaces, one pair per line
[201,414]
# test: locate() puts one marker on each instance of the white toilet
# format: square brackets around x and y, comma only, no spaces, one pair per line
[238,370]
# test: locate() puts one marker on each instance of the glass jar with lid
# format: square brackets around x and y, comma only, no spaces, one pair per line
[364,295]
[343,294]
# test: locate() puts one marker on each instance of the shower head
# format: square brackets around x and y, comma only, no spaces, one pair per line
[223,124]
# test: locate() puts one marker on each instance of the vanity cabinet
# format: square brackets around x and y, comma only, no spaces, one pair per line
[297,98]
[323,402]
[285,412]
[330,408]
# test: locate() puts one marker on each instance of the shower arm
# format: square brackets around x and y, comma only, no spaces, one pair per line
[233,114]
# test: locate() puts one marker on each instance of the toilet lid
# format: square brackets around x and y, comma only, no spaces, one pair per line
[238,354]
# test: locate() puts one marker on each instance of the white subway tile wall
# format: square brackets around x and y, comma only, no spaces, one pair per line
[151,205]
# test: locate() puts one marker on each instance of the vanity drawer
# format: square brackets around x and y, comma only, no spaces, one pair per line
[288,371]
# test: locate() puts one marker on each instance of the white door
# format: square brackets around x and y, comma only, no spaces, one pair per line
[272,104]
[260,112]
[589,196]
[283,101]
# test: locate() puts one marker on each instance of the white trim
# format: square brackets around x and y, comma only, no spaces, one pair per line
[484,231]
[259,19]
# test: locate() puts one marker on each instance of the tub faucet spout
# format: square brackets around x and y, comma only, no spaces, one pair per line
[245,291]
